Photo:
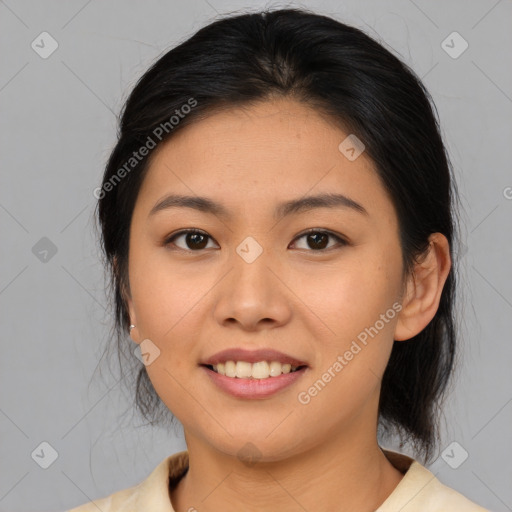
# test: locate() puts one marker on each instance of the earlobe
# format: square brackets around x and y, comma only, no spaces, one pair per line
[133,319]
[126,296]
[423,288]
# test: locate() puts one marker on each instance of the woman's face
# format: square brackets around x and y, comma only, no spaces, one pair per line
[256,281]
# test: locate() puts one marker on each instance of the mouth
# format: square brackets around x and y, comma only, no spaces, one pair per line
[253,374]
[257,371]
[253,381]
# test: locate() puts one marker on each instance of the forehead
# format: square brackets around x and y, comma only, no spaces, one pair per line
[264,153]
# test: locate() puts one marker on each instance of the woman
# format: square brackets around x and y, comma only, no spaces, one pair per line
[277,217]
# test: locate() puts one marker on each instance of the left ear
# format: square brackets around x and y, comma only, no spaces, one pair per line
[423,288]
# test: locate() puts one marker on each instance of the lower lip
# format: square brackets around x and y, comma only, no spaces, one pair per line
[253,388]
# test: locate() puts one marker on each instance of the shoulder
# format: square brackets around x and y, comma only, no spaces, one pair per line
[420,490]
[119,501]
[150,494]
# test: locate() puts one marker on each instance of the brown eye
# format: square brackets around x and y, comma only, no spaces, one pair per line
[194,240]
[317,240]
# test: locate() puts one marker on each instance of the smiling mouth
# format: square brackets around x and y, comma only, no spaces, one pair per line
[259,370]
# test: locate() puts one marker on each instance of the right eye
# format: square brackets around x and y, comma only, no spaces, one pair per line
[195,240]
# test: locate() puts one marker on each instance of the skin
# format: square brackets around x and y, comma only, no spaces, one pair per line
[306,302]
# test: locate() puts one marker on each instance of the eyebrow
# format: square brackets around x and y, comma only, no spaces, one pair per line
[294,206]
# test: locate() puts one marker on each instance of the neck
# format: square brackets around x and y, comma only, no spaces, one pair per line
[344,473]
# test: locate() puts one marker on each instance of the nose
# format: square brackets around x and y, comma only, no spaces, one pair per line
[252,296]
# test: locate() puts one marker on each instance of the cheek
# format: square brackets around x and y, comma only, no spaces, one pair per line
[358,302]
[164,292]
[170,299]
[351,294]
[359,310]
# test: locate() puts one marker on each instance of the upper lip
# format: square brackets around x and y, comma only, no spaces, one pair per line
[252,356]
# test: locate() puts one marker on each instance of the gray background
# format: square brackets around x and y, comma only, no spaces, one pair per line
[57,128]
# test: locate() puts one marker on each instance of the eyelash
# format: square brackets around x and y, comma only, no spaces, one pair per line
[342,242]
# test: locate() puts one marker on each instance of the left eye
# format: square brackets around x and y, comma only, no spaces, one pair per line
[196,240]
[318,239]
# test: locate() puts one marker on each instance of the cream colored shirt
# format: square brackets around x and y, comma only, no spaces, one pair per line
[418,491]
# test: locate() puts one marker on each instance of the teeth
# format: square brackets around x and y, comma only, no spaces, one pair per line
[243,370]
[259,370]
[230,368]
